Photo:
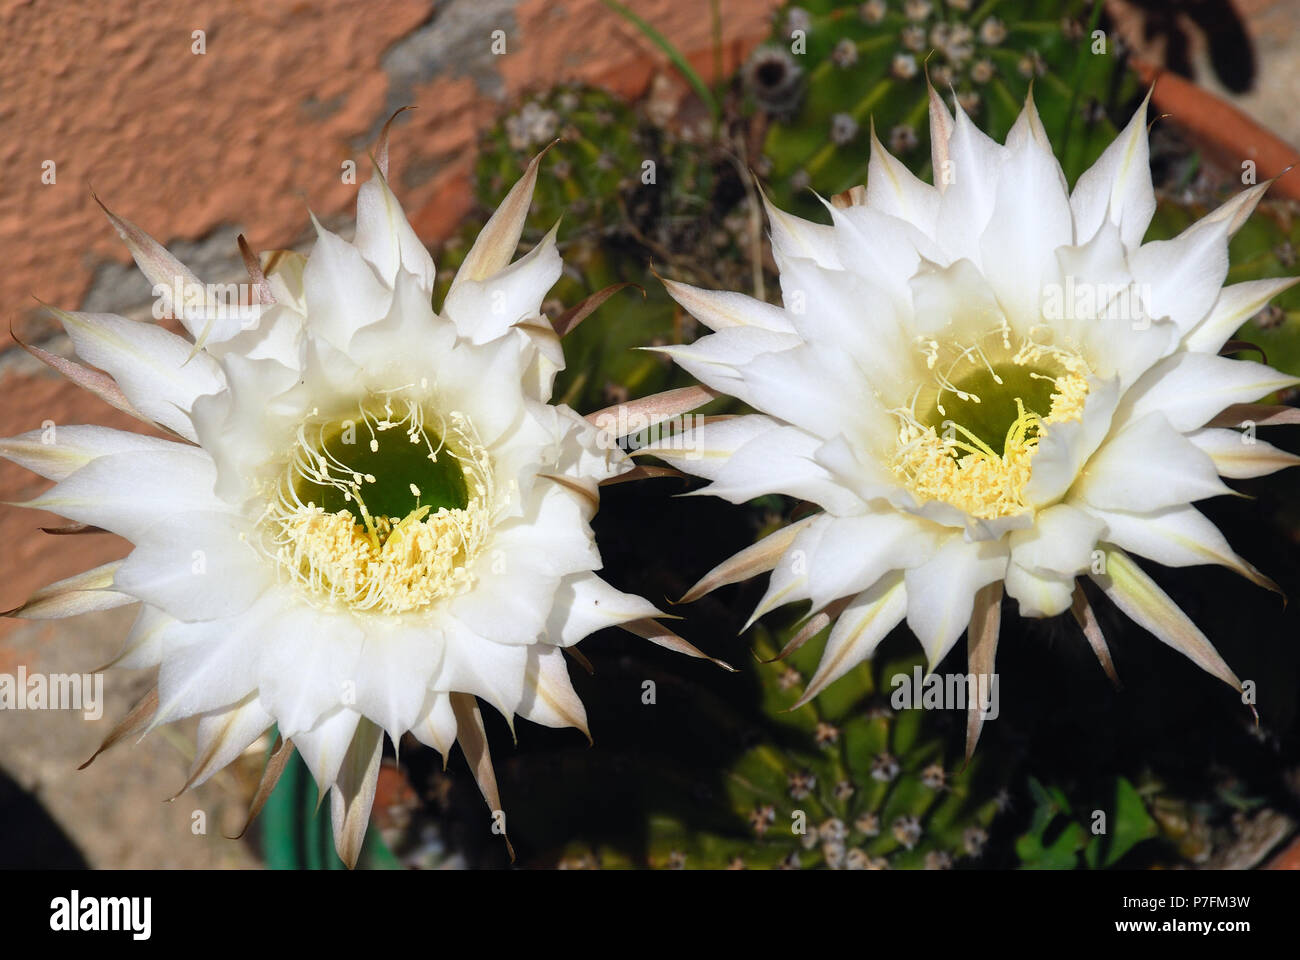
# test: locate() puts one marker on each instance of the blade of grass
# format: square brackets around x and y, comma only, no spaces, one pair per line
[678,60]
[1084,53]
[715,13]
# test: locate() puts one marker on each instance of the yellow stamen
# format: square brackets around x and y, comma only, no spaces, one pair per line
[353,558]
[949,462]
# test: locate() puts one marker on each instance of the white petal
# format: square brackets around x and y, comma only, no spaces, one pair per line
[584,603]
[163,270]
[496,242]
[493,671]
[1190,388]
[354,792]
[846,311]
[1177,537]
[244,427]
[855,552]
[341,290]
[974,169]
[1063,448]
[1181,278]
[155,369]
[894,190]
[880,250]
[210,665]
[394,673]
[1146,466]
[792,237]
[425,337]
[747,457]
[437,725]
[941,591]
[85,592]
[1030,220]
[385,238]
[1123,348]
[483,382]
[1142,599]
[549,697]
[485,309]
[952,299]
[1098,265]
[1235,305]
[58,451]
[1060,542]
[276,335]
[719,310]
[508,608]
[224,735]
[283,270]
[716,359]
[310,668]
[129,492]
[324,746]
[791,580]
[941,129]
[792,386]
[858,631]
[1240,454]
[197,566]
[1118,186]
[1039,594]
[143,647]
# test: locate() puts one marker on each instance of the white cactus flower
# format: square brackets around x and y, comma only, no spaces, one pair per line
[370,516]
[986,384]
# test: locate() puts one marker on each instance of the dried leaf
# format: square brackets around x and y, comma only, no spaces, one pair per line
[354,791]
[566,322]
[261,288]
[473,740]
[136,720]
[657,633]
[281,753]
[1087,620]
[643,473]
[580,658]
[85,592]
[814,625]
[497,241]
[381,147]
[1260,414]
[982,649]
[70,529]
[750,562]
[653,409]
[100,384]
[1147,605]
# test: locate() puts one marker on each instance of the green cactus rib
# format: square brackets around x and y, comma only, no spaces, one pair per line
[858,70]
[842,782]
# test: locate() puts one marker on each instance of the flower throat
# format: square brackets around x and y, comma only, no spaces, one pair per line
[383,510]
[973,439]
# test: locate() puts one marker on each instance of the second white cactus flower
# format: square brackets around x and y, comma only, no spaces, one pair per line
[986,384]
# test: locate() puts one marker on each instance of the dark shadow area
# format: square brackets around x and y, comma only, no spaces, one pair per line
[29,837]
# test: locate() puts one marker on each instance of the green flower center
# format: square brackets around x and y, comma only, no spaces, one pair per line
[399,472]
[969,436]
[385,512]
[983,402]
